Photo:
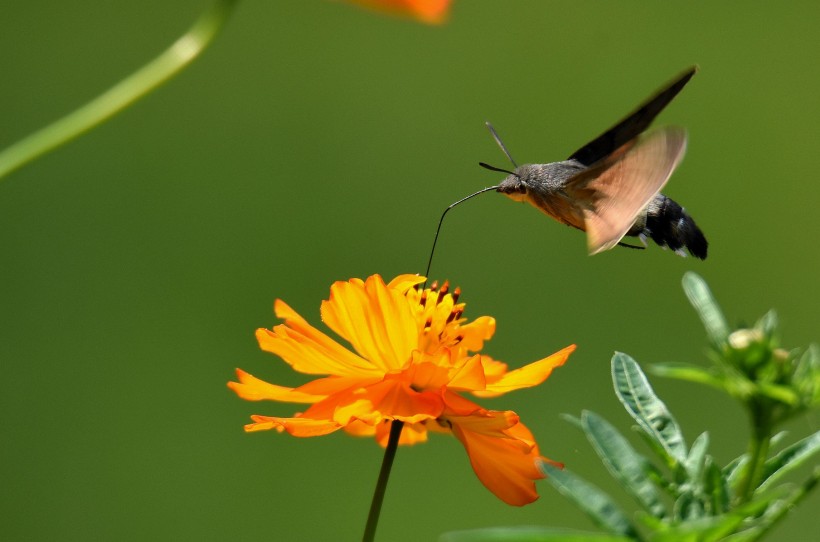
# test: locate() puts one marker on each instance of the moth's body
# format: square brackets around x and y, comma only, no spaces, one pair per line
[610,187]
[542,185]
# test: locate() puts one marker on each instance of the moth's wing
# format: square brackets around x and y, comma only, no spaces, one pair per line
[632,126]
[619,188]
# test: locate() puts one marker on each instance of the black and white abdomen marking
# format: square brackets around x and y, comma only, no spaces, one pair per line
[667,224]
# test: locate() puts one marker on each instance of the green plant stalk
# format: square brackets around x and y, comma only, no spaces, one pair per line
[170,62]
[758,450]
[381,484]
[799,494]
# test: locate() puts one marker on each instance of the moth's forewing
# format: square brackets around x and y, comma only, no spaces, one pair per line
[616,190]
[633,124]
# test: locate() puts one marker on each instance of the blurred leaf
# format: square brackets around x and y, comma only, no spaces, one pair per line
[707,308]
[701,530]
[735,469]
[783,394]
[622,461]
[689,372]
[789,459]
[573,420]
[778,438]
[716,487]
[806,376]
[697,458]
[528,534]
[767,511]
[768,323]
[591,500]
[688,507]
[643,405]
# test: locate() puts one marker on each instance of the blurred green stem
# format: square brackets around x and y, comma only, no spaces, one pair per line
[758,450]
[801,493]
[181,53]
[381,485]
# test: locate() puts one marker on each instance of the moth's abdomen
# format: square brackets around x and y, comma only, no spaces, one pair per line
[668,225]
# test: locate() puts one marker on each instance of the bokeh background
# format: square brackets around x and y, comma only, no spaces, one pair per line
[316,141]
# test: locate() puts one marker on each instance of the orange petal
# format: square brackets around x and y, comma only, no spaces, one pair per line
[390,399]
[456,405]
[298,427]
[334,384]
[470,376]
[403,283]
[503,462]
[426,375]
[308,356]
[527,376]
[411,433]
[428,11]
[476,332]
[377,321]
[327,346]
[253,389]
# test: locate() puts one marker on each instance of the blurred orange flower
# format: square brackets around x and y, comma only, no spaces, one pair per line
[414,354]
[428,11]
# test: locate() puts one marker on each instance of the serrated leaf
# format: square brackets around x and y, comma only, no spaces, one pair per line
[528,534]
[688,372]
[789,459]
[596,504]
[646,408]
[707,308]
[623,462]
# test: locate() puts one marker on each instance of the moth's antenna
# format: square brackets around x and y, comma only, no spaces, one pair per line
[500,143]
[435,239]
[493,168]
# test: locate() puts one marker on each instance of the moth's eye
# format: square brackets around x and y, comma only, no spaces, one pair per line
[522,188]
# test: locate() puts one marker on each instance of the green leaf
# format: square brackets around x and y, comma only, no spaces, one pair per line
[768,323]
[806,376]
[782,394]
[622,461]
[716,487]
[646,408]
[733,472]
[528,534]
[708,529]
[592,501]
[707,308]
[688,372]
[688,507]
[573,420]
[697,458]
[789,459]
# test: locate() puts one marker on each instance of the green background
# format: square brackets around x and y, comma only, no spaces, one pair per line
[314,142]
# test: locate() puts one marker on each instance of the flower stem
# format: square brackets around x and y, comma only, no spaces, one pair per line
[381,485]
[171,61]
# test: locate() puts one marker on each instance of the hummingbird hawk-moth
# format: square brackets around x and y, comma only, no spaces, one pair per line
[610,187]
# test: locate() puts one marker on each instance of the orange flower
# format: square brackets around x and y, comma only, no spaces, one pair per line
[428,11]
[414,354]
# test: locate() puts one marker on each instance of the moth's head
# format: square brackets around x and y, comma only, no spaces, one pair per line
[513,186]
